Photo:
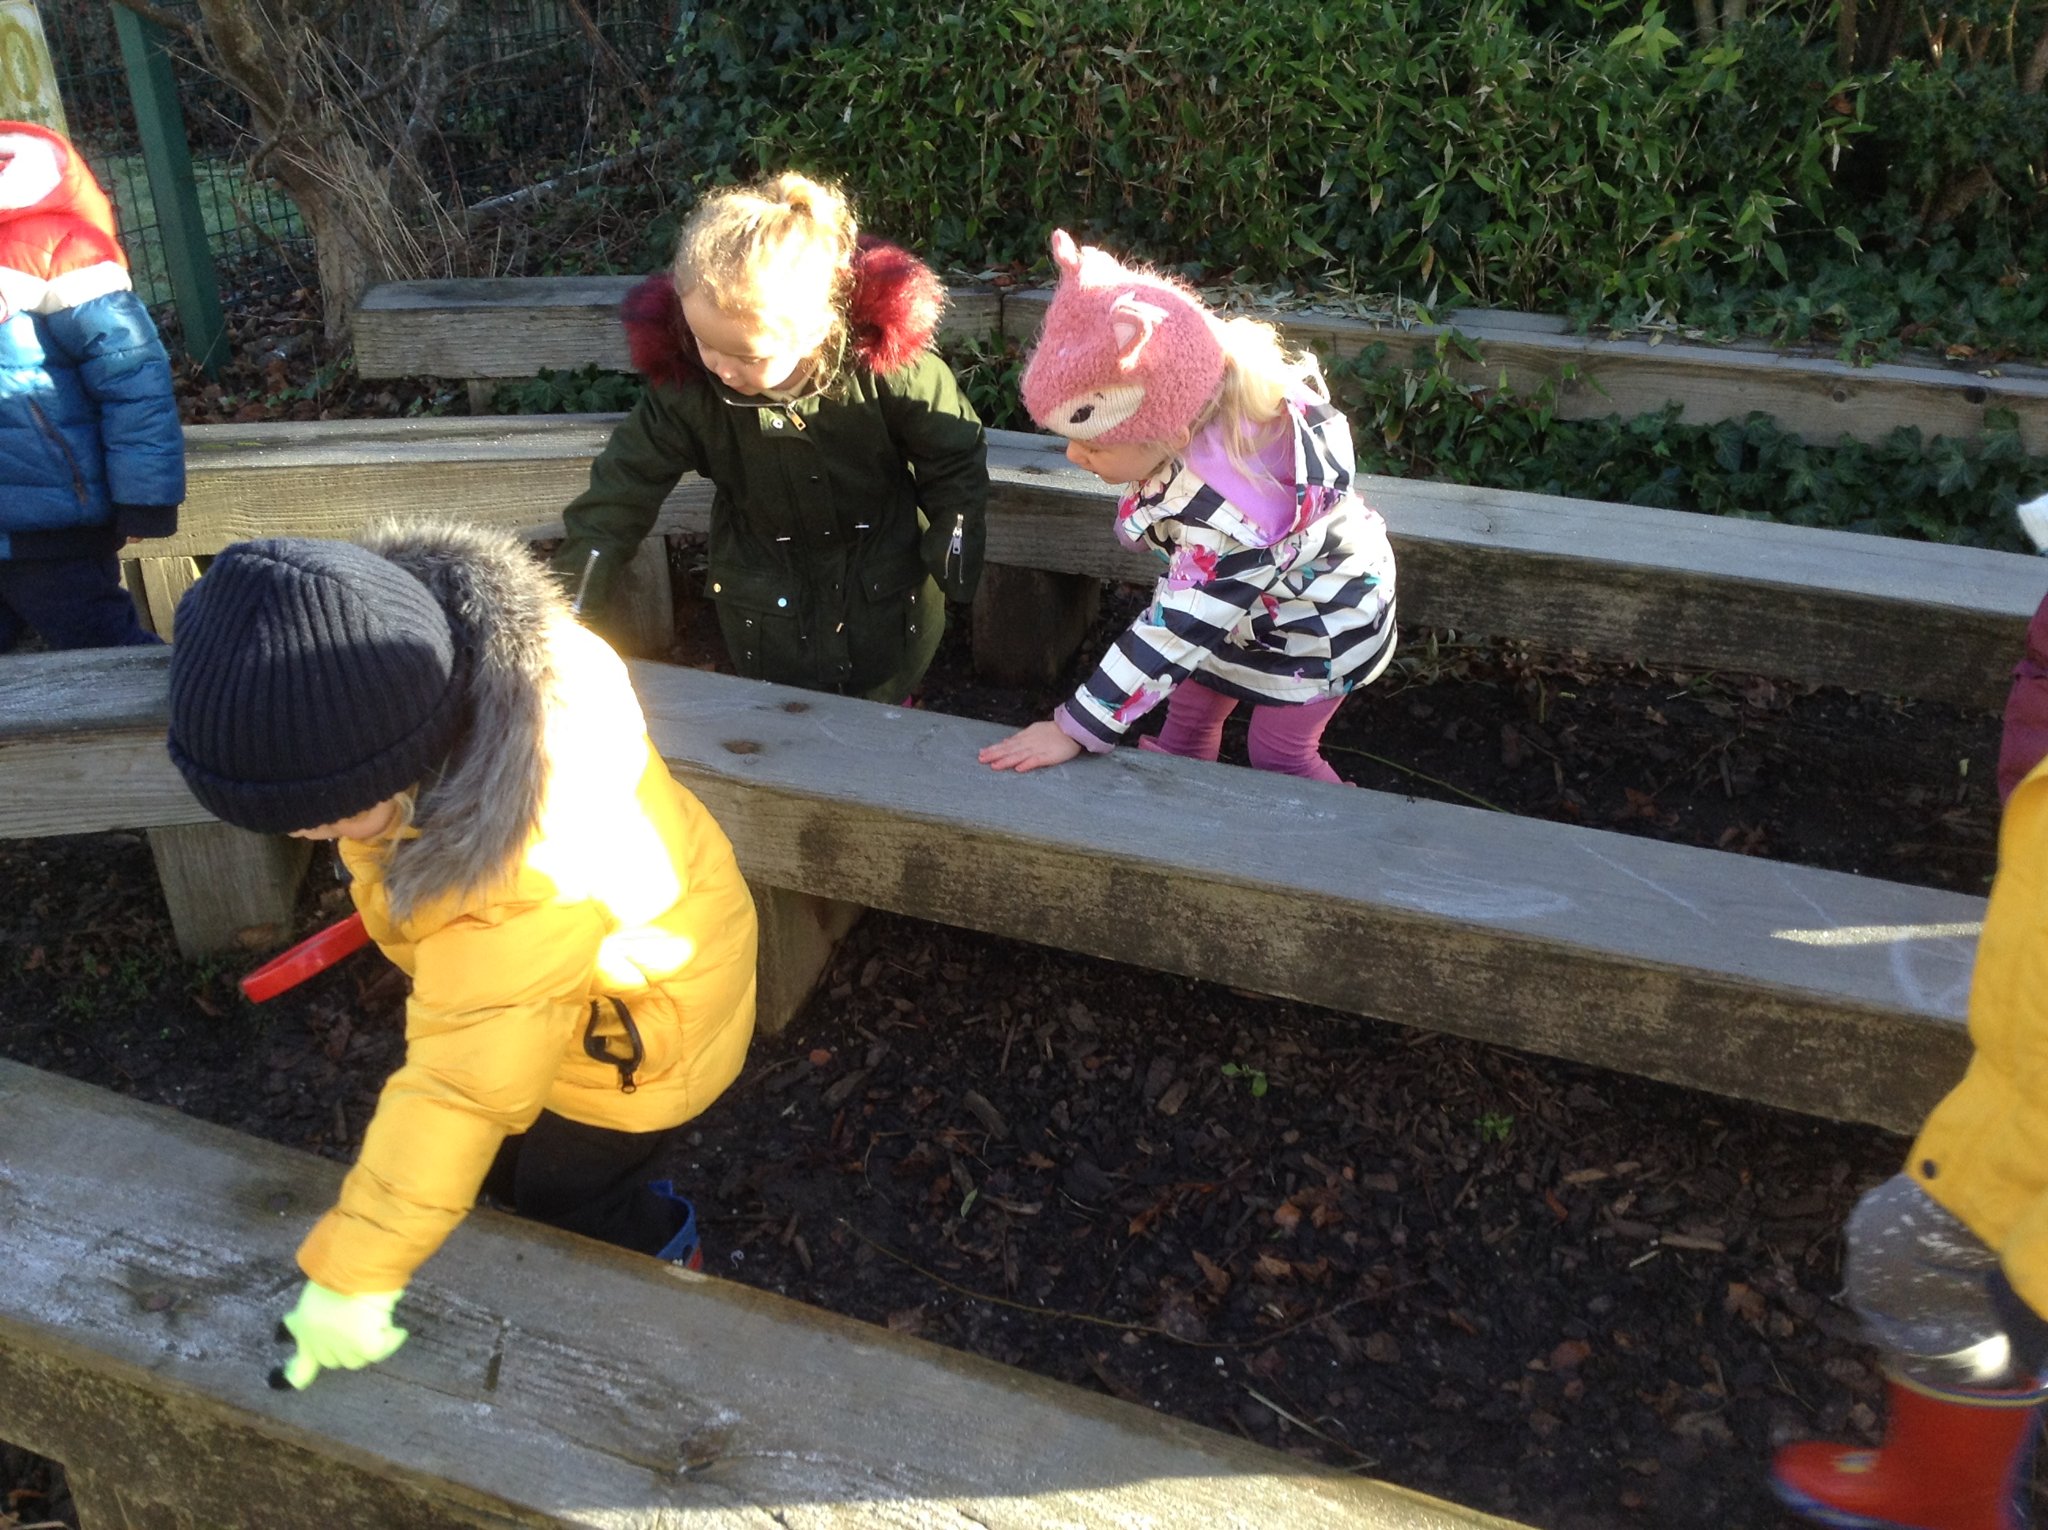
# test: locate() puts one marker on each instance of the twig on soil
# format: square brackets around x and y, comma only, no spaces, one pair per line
[1406,770]
[1785,1386]
[1102,1322]
[1365,1461]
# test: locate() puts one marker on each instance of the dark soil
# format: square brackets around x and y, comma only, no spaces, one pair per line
[1568,1296]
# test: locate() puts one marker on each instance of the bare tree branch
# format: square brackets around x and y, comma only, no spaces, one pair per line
[542,191]
[433,74]
[243,57]
[610,55]
[440,21]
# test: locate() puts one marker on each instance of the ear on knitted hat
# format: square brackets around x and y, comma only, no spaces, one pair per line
[1125,354]
[309,682]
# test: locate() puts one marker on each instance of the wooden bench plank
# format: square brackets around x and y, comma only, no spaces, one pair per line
[1663,587]
[1816,397]
[226,888]
[164,583]
[1617,581]
[90,738]
[1838,995]
[82,746]
[336,478]
[512,328]
[548,1380]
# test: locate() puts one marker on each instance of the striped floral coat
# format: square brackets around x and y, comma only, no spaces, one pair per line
[1272,613]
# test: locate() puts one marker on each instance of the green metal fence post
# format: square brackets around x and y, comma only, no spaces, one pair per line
[195,287]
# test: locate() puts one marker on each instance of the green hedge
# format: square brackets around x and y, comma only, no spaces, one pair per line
[1559,156]
[1421,422]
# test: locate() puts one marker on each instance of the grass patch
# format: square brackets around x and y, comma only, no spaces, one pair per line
[239,213]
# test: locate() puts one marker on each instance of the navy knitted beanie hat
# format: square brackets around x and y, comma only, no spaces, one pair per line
[309,682]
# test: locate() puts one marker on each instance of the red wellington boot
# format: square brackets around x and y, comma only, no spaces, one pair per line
[1951,1460]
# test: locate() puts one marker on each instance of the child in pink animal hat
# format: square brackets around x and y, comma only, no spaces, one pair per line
[1278,586]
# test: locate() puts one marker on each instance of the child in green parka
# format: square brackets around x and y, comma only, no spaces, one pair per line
[789,361]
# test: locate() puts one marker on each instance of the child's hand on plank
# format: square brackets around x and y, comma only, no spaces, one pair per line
[1043,743]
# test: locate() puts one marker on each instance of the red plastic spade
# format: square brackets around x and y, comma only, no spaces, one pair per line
[315,954]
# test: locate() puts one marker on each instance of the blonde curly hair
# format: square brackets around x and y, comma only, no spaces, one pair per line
[781,247]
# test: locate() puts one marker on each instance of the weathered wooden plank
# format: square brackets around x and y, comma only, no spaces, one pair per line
[1816,397]
[1622,581]
[1834,994]
[799,934]
[1029,622]
[131,581]
[337,478]
[1618,581]
[548,1381]
[165,581]
[86,785]
[228,889]
[81,745]
[641,620]
[1824,992]
[81,693]
[514,326]
[506,327]
[82,750]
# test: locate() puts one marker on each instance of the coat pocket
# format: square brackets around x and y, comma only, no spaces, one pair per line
[891,586]
[761,615]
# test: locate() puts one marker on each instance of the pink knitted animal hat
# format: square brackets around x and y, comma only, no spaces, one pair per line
[1124,355]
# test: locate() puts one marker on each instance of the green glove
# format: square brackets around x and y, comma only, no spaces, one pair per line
[336,1332]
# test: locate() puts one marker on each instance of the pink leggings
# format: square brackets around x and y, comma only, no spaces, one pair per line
[1286,739]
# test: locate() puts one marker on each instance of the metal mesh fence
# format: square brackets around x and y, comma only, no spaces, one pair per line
[540,85]
[254,233]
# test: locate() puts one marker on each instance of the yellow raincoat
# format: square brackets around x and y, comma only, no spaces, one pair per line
[1983,1153]
[623,889]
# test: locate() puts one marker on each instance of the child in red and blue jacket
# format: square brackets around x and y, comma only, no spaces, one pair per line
[91,453]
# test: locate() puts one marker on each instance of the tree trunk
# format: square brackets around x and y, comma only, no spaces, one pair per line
[346,202]
[316,134]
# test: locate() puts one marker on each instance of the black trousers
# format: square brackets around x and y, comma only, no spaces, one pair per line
[69,602]
[588,1180]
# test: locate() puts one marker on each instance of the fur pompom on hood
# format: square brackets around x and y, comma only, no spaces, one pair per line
[478,813]
[893,312]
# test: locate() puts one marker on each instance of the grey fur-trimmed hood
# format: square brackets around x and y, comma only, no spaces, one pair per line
[477,814]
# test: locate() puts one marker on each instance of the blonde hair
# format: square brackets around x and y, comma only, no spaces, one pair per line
[782,247]
[1259,373]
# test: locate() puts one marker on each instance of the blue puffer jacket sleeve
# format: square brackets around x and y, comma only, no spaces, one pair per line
[121,363]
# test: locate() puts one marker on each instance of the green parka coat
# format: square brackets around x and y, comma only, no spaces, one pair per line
[840,522]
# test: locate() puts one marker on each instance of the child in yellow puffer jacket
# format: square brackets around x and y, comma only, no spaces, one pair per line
[580,942]
[1947,1261]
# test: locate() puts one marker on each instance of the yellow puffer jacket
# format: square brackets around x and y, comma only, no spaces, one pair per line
[613,882]
[1983,1153]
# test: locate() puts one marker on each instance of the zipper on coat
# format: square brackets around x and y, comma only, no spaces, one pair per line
[597,1049]
[70,460]
[953,547]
